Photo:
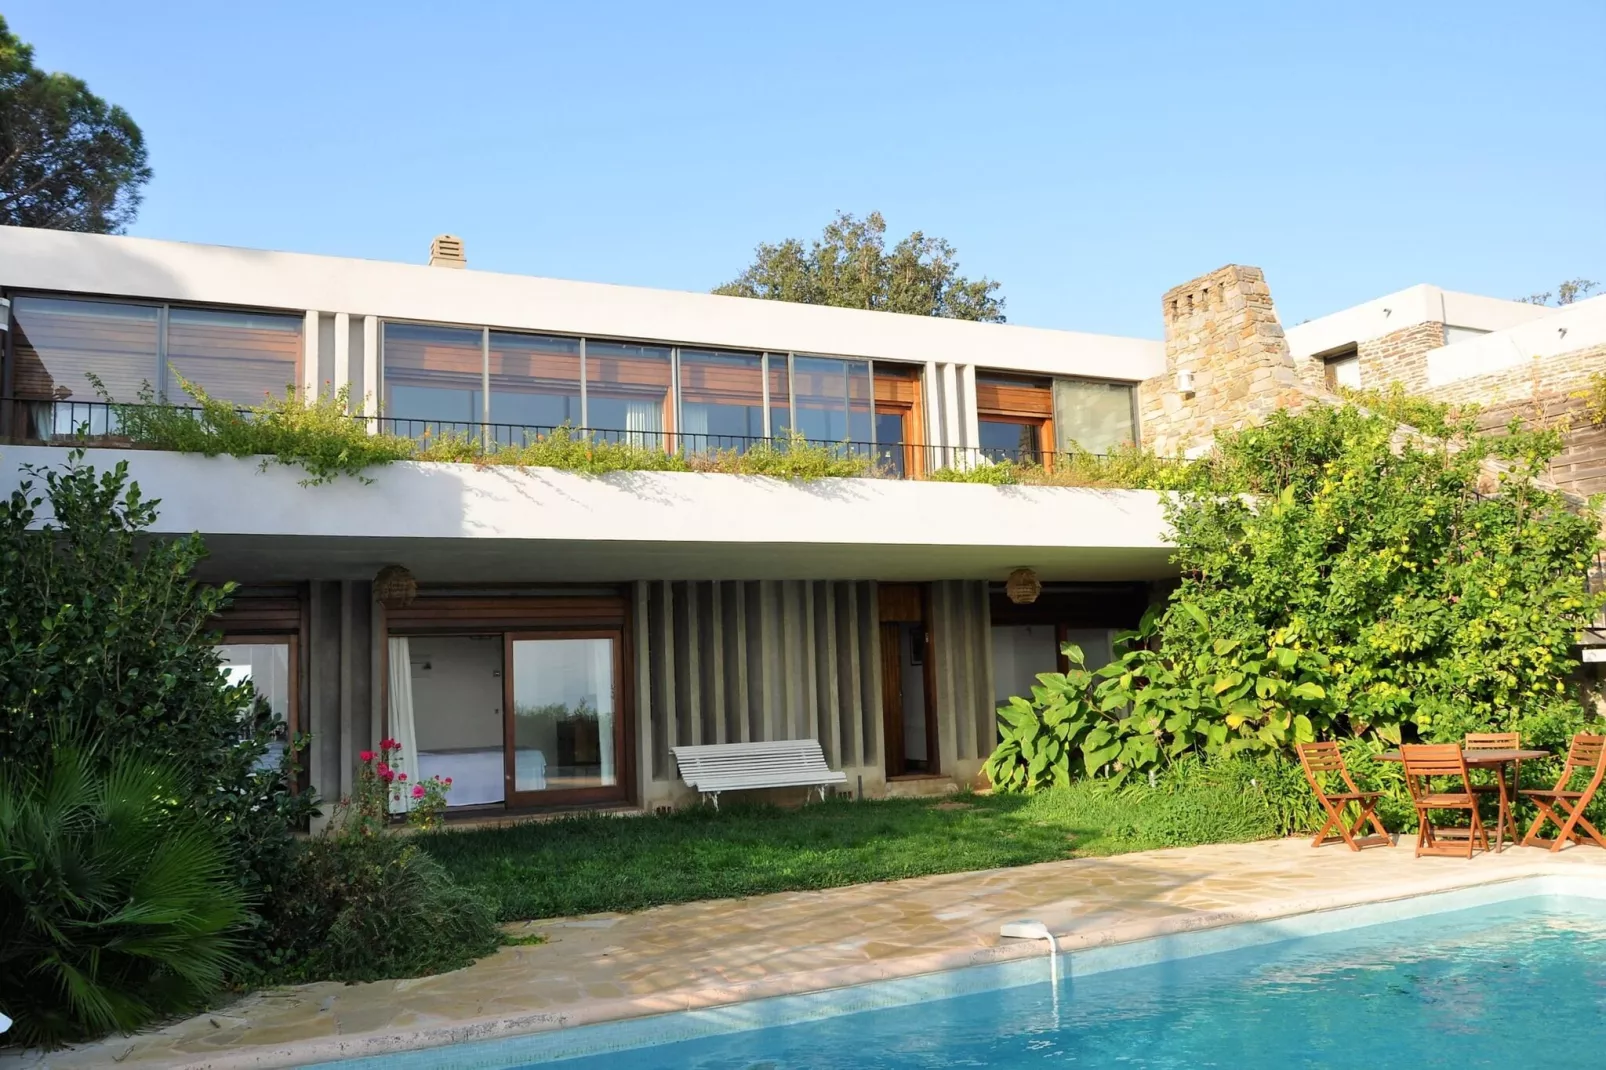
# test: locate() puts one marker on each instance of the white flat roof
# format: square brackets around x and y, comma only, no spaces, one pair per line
[1396,311]
[221,275]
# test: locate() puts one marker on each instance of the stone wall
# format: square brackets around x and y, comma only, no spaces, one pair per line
[1223,328]
[1401,356]
[1543,377]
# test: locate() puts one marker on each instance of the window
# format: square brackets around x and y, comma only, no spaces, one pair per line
[243,357]
[1343,369]
[1452,335]
[1015,418]
[264,662]
[831,399]
[721,399]
[535,382]
[627,390]
[1091,415]
[565,727]
[60,342]
[434,379]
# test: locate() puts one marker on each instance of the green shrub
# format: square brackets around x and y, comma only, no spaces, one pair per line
[1002,474]
[120,903]
[370,907]
[314,434]
[1369,588]
[107,636]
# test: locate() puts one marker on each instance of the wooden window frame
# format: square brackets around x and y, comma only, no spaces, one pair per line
[623,733]
[533,616]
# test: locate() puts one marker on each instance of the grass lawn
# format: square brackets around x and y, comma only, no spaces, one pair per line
[592,863]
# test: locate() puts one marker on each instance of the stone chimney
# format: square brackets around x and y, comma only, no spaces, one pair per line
[447,251]
[1227,363]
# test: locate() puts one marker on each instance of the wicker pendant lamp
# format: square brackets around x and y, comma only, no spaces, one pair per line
[394,587]
[1023,587]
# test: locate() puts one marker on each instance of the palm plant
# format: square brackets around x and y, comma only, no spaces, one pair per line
[120,903]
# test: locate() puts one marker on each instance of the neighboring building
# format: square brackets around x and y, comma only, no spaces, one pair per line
[569,630]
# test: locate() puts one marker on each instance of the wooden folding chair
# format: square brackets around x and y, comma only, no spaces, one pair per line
[1322,760]
[1425,763]
[1499,789]
[1587,753]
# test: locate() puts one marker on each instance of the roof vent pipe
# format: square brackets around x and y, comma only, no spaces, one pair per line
[447,251]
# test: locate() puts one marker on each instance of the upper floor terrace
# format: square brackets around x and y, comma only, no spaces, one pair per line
[505,359]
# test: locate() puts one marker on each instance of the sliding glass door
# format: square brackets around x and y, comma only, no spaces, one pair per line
[565,737]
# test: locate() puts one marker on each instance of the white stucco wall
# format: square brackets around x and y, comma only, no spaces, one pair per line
[457,519]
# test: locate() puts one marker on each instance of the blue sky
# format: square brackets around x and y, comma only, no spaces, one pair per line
[1086,156]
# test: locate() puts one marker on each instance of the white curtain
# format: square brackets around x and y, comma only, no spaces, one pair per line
[403,726]
[602,680]
[646,420]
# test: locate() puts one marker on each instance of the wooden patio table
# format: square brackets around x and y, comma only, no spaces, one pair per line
[1495,758]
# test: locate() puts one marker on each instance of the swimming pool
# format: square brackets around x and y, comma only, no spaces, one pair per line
[1510,978]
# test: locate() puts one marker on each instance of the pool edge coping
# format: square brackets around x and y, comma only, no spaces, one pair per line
[391,1041]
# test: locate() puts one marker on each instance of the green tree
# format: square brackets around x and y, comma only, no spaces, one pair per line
[68,160]
[1566,292]
[849,266]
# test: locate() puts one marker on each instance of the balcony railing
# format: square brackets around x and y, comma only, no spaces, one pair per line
[100,423]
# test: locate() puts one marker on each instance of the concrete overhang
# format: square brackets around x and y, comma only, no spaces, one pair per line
[468,524]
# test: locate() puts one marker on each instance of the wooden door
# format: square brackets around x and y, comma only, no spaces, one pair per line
[892,697]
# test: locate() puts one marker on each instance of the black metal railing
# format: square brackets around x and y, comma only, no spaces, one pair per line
[73,422]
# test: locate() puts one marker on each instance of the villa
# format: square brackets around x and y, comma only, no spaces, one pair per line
[545,637]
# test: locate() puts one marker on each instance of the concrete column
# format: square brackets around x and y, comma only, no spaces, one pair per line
[342,373]
[370,369]
[950,415]
[309,355]
[967,405]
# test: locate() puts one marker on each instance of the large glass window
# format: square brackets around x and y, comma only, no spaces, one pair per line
[564,718]
[780,396]
[60,342]
[434,379]
[831,399]
[627,390]
[243,357]
[1010,440]
[265,665]
[721,399]
[535,382]
[1092,415]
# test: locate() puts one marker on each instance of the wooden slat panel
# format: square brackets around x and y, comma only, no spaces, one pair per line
[498,613]
[1014,399]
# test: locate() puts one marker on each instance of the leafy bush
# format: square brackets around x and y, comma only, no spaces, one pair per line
[1367,589]
[370,907]
[119,900]
[108,637]
[315,433]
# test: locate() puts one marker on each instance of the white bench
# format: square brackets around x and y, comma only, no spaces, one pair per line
[787,763]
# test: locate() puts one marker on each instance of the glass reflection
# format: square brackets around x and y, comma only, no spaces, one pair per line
[563,714]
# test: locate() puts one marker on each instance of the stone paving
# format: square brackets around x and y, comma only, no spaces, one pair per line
[672,958]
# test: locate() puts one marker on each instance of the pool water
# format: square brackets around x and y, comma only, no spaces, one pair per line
[1513,984]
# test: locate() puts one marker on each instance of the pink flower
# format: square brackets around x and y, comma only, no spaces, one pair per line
[389,744]
[383,769]
[401,776]
[366,755]
[418,791]
[448,781]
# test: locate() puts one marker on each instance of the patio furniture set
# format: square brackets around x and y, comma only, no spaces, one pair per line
[1439,778]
